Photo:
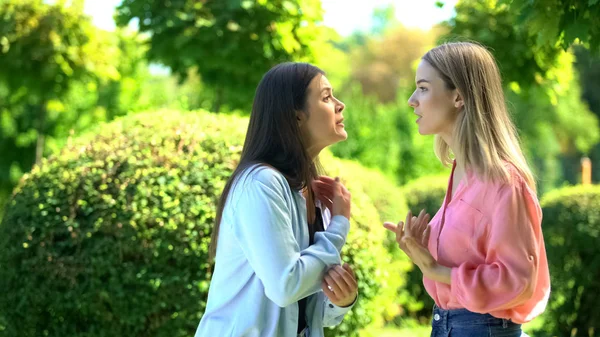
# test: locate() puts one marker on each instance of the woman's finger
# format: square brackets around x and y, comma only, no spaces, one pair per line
[350,270]
[422,217]
[339,280]
[390,226]
[401,231]
[396,229]
[334,286]
[321,189]
[414,226]
[348,276]
[422,222]
[407,223]
[323,185]
[328,292]
[326,180]
[426,235]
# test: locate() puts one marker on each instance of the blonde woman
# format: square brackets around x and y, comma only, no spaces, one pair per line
[482,255]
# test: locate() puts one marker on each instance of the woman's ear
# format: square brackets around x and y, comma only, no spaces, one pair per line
[300,117]
[458,101]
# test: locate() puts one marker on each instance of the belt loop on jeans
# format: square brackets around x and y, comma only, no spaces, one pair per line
[504,323]
[446,320]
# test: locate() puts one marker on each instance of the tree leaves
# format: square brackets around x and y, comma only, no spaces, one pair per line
[560,21]
[231,43]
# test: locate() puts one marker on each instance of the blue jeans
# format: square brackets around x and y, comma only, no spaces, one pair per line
[463,323]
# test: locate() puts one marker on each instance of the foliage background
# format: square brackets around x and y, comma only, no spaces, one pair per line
[61,77]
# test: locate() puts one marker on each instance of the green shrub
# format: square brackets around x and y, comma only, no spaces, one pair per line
[390,202]
[110,236]
[2,206]
[571,226]
[368,239]
[424,193]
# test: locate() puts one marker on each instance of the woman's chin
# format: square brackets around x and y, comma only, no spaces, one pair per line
[424,131]
[338,137]
[341,135]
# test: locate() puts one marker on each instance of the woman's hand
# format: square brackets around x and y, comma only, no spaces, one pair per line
[413,238]
[415,228]
[340,286]
[333,195]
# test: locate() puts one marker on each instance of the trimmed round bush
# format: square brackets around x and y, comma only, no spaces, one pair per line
[110,236]
[571,226]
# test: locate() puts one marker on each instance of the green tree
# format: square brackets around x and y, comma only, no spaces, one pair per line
[495,25]
[588,66]
[589,72]
[120,94]
[540,83]
[59,74]
[44,50]
[386,63]
[230,43]
[373,74]
[560,21]
[43,53]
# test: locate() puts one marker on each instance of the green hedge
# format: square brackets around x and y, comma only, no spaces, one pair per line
[374,198]
[424,193]
[110,236]
[571,226]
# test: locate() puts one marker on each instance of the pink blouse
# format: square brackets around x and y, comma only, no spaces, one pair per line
[490,235]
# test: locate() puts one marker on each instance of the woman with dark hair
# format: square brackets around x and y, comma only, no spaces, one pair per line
[280,226]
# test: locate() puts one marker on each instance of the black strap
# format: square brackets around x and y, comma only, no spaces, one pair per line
[312,229]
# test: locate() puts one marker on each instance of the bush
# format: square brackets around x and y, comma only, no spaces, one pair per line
[387,272]
[390,202]
[424,193]
[110,236]
[571,227]
[3,201]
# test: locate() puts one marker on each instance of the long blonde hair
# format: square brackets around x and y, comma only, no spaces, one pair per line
[486,135]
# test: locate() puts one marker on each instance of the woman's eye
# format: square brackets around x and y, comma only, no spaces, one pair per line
[326,99]
[422,88]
